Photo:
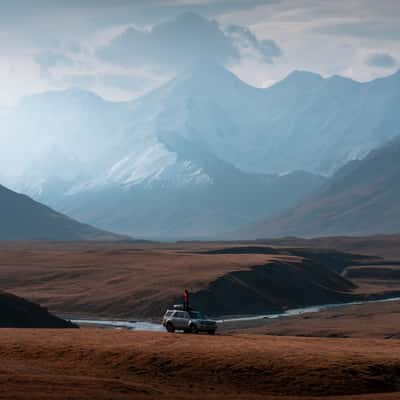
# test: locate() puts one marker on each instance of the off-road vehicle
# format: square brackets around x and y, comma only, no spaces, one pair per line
[178,318]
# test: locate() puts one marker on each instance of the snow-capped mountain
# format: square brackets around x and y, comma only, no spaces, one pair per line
[305,122]
[324,123]
[192,196]
[201,155]
[58,136]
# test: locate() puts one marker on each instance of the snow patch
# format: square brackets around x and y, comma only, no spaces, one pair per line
[141,165]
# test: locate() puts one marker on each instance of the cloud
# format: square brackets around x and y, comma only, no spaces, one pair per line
[172,44]
[126,81]
[181,41]
[378,30]
[381,60]
[210,8]
[127,60]
[267,48]
[329,37]
[51,59]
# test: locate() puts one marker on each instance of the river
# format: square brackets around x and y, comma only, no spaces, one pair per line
[154,327]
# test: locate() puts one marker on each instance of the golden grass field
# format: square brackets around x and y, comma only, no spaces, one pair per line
[114,364]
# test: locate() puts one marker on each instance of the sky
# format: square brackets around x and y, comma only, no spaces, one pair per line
[121,49]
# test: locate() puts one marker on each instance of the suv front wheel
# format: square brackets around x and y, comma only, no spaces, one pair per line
[170,327]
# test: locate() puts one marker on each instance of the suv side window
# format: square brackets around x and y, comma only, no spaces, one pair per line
[180,314]
[169,313]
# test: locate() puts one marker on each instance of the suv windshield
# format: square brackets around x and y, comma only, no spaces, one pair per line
[197,315]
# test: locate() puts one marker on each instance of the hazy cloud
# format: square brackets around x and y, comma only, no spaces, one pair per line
[129,82]
[369,29]
[126,82]
[209,8]
[51,44]
[244,38]
[51,59]
[175,43]
[381,60]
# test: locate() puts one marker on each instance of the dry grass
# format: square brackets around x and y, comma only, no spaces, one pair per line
[113,279]
[386,246]
[379,320]
[104,364]
[123,280]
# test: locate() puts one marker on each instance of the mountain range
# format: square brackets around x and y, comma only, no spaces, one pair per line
[362,198]
[202,155]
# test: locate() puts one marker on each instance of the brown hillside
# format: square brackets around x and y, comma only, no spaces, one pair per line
[131,280]
[385,246]
[373,320]
[104,364]
[25,219]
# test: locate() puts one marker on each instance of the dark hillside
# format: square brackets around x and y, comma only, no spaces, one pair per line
[16,312]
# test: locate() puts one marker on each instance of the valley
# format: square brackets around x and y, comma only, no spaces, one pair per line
[346,353]
[139,280]
[199,200]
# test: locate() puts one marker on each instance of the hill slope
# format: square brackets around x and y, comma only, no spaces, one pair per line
[132,281]
[25,219]
[16,312]
[362,198]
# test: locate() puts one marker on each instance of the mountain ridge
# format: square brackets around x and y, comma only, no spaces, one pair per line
[362,198]
[200,135]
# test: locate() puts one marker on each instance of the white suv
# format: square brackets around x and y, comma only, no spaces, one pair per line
[177,318]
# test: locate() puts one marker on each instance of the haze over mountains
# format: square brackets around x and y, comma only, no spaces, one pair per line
[200,156]
[362,198]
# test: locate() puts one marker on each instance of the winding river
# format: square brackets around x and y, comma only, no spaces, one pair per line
[154,327]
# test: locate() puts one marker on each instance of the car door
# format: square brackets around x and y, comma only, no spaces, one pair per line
[185,319]
[180,320]
[175,319]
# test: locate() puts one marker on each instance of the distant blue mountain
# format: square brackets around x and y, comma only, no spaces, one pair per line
[203,154]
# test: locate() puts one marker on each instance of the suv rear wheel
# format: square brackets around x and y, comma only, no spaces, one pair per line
[170,327]
[193,328]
